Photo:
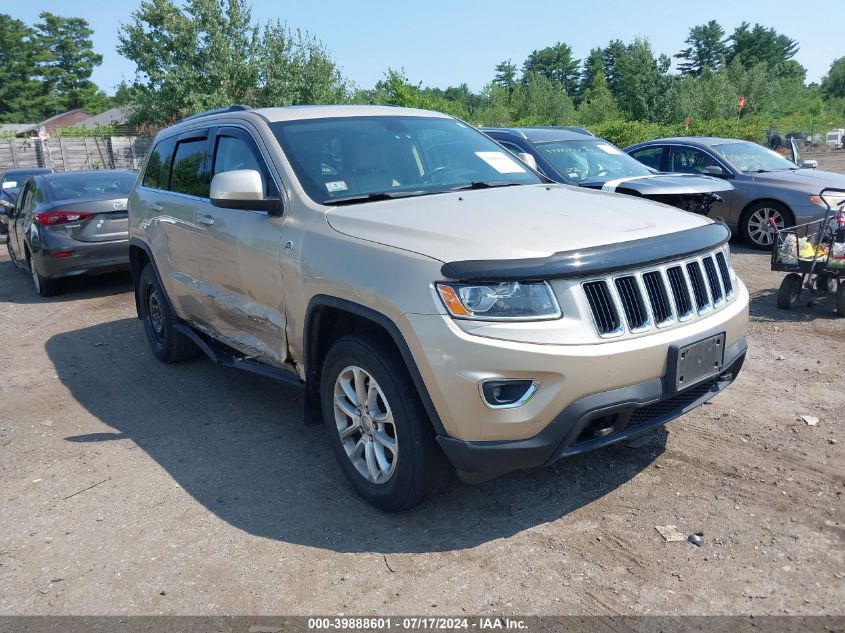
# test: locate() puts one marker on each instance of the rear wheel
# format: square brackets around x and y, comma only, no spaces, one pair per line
[756,225]
[377,426]
[840,300]
[43,286]
[168,344]
[789,293]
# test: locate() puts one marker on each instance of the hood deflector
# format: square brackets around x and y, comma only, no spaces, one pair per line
[597,260]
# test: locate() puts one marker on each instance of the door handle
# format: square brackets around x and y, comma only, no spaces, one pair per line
[203,218]
[157,206]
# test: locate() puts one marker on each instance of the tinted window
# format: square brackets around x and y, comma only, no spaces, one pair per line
[398,155]
[90,185]
[190,172]
[236,153]
[688,160]
[650,156]
[158,167]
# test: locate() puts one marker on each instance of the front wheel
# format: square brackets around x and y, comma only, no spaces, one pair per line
[789,292]
[377,426]
[168,344]
[756,225]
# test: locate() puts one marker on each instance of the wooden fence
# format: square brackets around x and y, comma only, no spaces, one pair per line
[75,153]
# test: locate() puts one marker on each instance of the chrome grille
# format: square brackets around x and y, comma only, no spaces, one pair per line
[726,277]
[632,303]
[657,297]
[699,290]
[637,301]
[713,281]
[603,307]
[680,292]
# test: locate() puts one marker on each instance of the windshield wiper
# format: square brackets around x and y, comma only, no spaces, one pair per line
[486,184]
[375,197]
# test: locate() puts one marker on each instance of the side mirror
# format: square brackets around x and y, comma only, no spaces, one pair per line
[528,159]
[808,163]
[715,170]
[242,189]
[6,208]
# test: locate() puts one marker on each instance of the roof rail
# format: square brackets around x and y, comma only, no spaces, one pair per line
[231,108]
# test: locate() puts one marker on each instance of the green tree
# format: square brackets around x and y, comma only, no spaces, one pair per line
[593,66]
[705,49]
[757,44]
[833,84]
[208,53]
[21,94]
[505,74]
[597,104]
[66,61]
[641,82]
[555,63]
[612,55]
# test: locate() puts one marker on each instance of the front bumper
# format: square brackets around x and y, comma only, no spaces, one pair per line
[630,411]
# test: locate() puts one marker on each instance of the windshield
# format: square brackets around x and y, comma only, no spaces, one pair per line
[361,158]
[91,186]
[747,156]
[591,160]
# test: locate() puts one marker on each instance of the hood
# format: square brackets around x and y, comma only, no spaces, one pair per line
[509,222]
[811,180]
[669,184]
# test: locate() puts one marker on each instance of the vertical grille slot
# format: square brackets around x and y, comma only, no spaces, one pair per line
[657,297]
[632,303]
[726,277]
[602,306]
[699,291]
[713,280]
[680,291]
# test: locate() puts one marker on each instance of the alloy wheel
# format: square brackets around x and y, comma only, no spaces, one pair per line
[365,424]
[760,230]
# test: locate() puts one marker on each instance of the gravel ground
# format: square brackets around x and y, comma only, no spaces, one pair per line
[132,487]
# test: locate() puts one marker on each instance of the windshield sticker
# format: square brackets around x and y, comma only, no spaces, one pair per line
[10,184]
[608,149]
[501,162]
[336,185]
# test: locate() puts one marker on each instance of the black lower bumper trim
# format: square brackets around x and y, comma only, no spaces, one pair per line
[591,422]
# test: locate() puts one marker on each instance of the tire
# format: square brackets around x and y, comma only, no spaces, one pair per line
[789,293]
[43,286]
[840,300]
[825,284]
[391,479]
[168,344]
[754,221]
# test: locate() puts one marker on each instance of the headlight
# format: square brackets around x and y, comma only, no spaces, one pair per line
[510,301]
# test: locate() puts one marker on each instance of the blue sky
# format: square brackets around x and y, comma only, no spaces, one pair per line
[445,43]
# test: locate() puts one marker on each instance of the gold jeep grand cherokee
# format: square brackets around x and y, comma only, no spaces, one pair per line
[442,305]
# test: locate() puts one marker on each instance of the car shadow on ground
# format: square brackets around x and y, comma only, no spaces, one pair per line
[19,289]
[237,444]
[813,307]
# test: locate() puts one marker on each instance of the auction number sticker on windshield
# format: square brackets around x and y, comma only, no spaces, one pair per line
[9,184]
[501,162]
[608,149]
[336,185]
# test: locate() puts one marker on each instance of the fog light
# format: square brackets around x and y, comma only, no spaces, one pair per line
[508,394]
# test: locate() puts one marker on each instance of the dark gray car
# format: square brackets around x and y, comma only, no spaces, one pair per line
[573,156]
[767,187]
[70,224]
[10,185]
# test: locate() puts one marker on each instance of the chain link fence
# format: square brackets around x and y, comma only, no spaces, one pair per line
[75,153]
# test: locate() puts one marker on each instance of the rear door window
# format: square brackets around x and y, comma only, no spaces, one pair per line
[157,173]
[190,173]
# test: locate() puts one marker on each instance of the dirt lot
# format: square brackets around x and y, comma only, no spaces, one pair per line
[210,496]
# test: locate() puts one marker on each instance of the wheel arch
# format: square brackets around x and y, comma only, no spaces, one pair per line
[139,256]
[743,214]
[329,318]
